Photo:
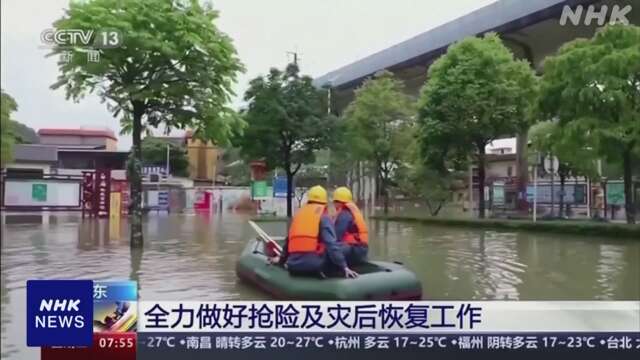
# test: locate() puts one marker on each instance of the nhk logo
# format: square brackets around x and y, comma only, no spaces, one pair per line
[59,312]
[59,321]
[578,15]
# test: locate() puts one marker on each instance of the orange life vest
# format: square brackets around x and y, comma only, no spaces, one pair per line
[360,237]
[304,232]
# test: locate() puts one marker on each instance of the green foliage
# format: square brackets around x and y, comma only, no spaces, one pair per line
[154,152]
[7,106]
[592,88]
[379,125]
[13,132]
[342,159]
[174,69]
[421,182]
[477,92]
[286,121]
[575,157]
[23,134]
[236,171]
[418,180]
[558,227]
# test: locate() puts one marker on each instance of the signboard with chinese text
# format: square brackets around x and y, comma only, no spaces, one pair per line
[615,193]
[280,187]
[260,190]
[39,192]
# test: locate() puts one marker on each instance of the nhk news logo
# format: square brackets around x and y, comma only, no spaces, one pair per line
[56,321]
[59,312]
[71,312]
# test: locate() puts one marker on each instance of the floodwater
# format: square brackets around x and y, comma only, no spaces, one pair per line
[192,257]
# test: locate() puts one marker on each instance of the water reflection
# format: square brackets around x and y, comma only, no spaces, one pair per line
[610,265]
[485,264]
[193,257]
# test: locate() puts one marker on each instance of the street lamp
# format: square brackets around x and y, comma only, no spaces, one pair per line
[328,85]
[167,166]
[535,187]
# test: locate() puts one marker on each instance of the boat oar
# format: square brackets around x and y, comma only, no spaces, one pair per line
[262,235]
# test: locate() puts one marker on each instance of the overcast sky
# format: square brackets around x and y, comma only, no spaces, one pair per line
[327,34]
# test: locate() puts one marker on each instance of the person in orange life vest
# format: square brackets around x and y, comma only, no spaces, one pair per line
[351,229]
[311,245]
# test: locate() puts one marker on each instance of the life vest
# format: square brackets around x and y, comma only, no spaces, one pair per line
[360,237]
[304,232]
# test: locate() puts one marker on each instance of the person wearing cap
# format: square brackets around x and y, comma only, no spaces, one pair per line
[351,229]
[311,246]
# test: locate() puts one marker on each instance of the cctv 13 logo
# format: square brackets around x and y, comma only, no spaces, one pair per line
[59,312]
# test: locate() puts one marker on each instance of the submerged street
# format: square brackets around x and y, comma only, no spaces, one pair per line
[193,257]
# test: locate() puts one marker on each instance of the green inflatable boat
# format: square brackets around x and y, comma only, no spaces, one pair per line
[377,281]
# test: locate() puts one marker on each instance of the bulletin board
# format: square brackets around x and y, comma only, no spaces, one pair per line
[41,193]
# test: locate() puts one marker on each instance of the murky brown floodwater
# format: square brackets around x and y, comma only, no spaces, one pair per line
[193,257]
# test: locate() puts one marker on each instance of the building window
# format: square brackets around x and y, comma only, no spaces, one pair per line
[510,171]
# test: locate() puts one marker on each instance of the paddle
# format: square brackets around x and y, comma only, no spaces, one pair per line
[262,235]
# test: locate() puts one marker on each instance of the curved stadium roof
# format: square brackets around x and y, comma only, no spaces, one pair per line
[500,16]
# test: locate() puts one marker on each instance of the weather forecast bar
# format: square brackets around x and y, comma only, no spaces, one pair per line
[168,345]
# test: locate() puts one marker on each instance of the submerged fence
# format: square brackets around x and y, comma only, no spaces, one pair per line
[198,199]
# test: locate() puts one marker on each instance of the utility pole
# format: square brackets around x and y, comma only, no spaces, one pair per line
[167,166]
[295,56]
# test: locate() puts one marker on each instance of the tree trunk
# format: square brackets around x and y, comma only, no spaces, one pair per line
[383,187]
[361,179]
[289,192]
[385,197]
[561,201]
[553,190]
[135,178]
[434,210]
[603,184]
[522,169]
[481,176]
[628,187]
[589,199]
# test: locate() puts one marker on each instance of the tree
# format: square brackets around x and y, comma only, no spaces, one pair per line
[425,179]
[173,68]
[154,152]
[23,134]
[379,123]
[7,106]
[235,171]
[343,167]
[576,157]
[475,93]
[286,122]
[428,184]
[593,87]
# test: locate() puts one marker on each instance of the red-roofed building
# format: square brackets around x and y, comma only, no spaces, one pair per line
[79,138]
